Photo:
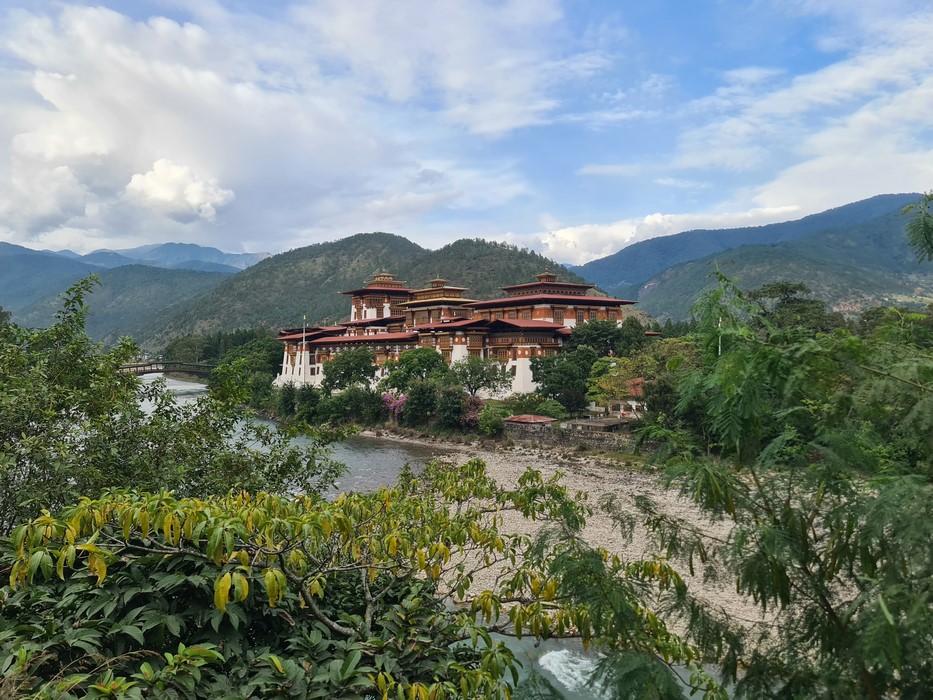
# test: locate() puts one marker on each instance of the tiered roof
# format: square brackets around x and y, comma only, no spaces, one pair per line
[438,293]
[548,290]
[563,299]
[547,284]
[382,283]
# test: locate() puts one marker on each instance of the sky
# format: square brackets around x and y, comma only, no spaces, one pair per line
[571,127]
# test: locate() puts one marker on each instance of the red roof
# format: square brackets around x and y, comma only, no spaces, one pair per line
[380,290]
[528,418]
[568,299]
[528,323]
[374,338]
[384,321]
[525,285]
[311,333]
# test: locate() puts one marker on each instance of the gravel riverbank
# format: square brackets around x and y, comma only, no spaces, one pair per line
[597,476]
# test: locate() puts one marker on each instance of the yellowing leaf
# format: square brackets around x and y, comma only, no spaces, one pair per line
[240,587]
[275,662]
[222,591]
[96,565]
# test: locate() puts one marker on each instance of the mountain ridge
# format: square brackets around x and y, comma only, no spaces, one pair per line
[636,264]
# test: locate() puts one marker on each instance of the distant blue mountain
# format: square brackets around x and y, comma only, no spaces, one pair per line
[850,267]
[203,266]
[638,263]
[28,276]
[178,255]
[109,259]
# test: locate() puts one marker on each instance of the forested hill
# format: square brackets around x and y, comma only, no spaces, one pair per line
[281,289]
[638,263]
[849,267]
[126,299]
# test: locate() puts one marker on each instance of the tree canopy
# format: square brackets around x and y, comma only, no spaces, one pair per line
[373,594]
[817,450]
[563,377]
[920,227]
[414,365]
[349,368]
[73,424]
[477,374]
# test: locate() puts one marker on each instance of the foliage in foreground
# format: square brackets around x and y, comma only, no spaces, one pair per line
[376,594]
[817,450]
[72,424]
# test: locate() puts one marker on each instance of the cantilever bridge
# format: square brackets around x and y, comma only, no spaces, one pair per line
[195,368]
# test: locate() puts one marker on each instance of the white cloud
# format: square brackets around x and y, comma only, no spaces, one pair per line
[488,64]
[328,117]
[680,183]
[176,191]
[319,122]
[580,244]
[762,124]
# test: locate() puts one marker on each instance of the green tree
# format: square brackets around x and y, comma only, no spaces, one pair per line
[633,336]
[257,595]
[563,377]
[660,361]
[477,374]
[421,405]
[490,422]
[4,316]
[357,404]
[819,451]
[451,407]
[188,348]
[920,227]
[605,337]
[419,364]
[782,305]
[349,368]
[72,424]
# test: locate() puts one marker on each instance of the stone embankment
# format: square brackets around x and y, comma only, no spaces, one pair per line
[552,436]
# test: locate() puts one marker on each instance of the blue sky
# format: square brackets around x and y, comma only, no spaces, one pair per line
[570,127]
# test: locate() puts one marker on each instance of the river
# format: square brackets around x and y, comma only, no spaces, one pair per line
[373,462]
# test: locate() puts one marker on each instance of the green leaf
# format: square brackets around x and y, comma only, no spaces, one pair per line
[134,632]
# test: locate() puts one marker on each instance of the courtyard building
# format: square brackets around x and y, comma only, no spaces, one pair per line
[532,320]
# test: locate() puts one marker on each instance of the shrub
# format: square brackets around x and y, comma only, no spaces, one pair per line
[451,407]
[490,421]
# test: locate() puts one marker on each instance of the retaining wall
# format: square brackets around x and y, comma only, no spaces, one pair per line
[562,437]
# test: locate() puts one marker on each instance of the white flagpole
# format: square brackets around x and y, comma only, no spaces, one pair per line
[305,362]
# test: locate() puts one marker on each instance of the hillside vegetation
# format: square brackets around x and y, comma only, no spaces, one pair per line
[636,264]
[27,275]
[282,289]
[850,267]
[127,298]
